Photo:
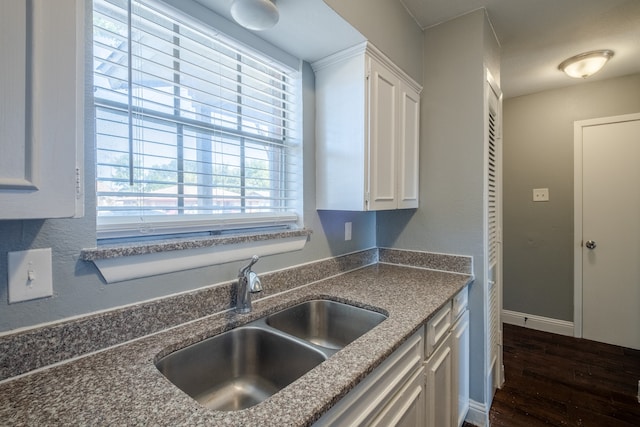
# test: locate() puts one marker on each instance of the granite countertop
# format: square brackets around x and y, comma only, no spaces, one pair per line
[121,385]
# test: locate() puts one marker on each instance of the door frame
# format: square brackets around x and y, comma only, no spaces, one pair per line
[578,127]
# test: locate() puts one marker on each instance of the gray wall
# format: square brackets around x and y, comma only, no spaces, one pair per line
[450,216]
[388,25]
[538,153]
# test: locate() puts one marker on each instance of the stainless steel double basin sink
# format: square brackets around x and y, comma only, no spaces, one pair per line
[244,366]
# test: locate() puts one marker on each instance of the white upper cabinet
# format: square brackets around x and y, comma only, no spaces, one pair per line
[367,132]
[41,108]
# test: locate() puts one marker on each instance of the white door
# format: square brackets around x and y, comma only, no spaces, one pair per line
[610,243]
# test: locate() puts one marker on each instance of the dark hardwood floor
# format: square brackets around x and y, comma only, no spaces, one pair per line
[554,380]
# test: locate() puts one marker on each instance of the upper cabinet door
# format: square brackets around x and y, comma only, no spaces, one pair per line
[41,108]
[383,136]
[408,150]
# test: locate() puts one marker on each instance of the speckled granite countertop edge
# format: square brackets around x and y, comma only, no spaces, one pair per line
[121,385]
[177,244]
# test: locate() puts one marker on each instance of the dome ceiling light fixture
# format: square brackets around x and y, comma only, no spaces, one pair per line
[256,15]
[585,64]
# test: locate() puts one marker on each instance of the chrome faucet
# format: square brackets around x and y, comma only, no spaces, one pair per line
[248,283]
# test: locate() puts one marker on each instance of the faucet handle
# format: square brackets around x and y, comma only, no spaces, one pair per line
[244,270]
[255,285]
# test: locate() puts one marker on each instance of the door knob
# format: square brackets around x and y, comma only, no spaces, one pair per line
[590,244]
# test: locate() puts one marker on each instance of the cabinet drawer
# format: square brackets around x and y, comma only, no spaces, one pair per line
[362,404]
[437,328]
[460,302]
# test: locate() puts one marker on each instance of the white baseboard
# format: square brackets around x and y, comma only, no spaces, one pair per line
[478,414]
[539,323]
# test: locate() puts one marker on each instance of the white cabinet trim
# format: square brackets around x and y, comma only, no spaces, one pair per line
[374,52]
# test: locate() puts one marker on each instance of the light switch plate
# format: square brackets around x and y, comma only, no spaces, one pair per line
[30,275]
[347,231]
[540,194]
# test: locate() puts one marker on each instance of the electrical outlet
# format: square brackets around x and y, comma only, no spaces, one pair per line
[347,231]
[540,194]
[30,275]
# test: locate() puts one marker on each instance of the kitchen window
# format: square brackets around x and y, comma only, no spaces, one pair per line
[195,133]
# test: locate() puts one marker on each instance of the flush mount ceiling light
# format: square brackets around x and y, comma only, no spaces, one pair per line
[256,15]
[585,64]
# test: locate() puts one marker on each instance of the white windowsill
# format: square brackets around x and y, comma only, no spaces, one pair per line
[118,263]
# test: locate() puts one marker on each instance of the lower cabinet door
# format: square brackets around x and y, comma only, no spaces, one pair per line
[439,404]
[407,409]
[460,377]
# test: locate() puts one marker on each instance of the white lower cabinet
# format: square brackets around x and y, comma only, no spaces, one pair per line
[447,364]
[392,395]
[425,382]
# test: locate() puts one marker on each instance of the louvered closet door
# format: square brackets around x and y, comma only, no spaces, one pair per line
[493,227]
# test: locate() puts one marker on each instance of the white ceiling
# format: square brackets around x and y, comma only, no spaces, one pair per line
[535,35]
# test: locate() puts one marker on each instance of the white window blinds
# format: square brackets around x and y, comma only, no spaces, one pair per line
[193,131]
